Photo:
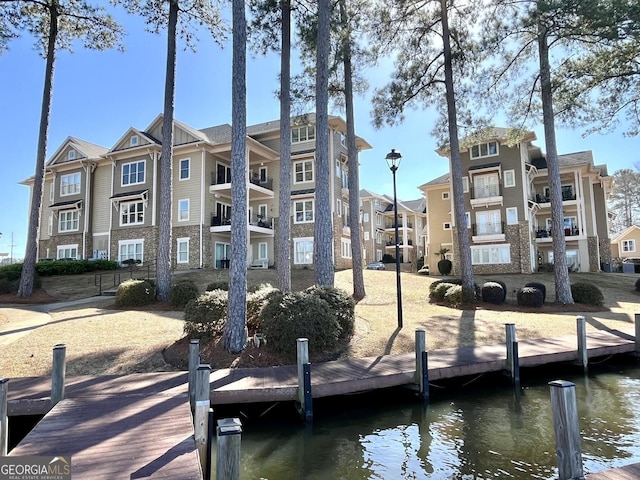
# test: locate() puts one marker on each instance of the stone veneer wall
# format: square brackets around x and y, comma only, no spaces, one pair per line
[594,254]
[193,233]
[149,234]
[300,230]
[524,230]
[53,242]
[340,263]
[516,236]
[605,250]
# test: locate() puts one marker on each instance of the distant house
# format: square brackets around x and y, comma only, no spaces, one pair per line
[627,243]
[508,209]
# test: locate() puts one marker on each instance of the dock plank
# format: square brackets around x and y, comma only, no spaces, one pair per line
[629,472]
[119,437]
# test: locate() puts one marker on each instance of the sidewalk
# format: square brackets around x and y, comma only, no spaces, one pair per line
[24,318]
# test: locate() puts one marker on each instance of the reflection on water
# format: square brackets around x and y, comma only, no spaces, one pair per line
[465,434]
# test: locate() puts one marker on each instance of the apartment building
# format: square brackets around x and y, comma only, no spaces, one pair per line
[508,211]
[378,227]
[101,202]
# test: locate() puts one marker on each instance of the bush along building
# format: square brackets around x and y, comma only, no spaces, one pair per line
[508,211]
[103,202]
[378,227]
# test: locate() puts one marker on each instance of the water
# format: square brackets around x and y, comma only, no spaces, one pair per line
[475,432]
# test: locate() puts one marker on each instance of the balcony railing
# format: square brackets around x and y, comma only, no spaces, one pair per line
[490,228]
[490,191]
[573,231]
[567,195]
[400,224]
[220,179]
[255,220]
[391,243]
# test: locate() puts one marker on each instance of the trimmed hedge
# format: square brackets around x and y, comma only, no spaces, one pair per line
[221,285]
[539,286]
[493,292]
[182,292]
[458,295]
[206,315]
[530,297]
[341,304]
[256,301]
[135,293]
[440,290]
[587,293]
[72,267]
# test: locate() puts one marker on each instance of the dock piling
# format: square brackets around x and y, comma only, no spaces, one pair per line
[510,338]
[201,413]
[583,355]
[567,430]
[229,437]
[4,417]
[305,398]
[194,361]
[637,324]
[515,375]
[58,373]
[422,369]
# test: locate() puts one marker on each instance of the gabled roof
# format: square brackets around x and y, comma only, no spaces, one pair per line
[133,131]
[625,233]
[506,136]
[441,180]
[86,151]
[218,134]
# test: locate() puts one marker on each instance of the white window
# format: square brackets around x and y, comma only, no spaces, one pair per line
[488,222]
[338,207]
[68,221]
[303,134]
[345,215]
[71,155]
[303,171]
[378,219]
[512,215]
[303,211]
[343,139]
[182,252]
[51,190]
[366,236]
[509,178]
[262,251]
[378,237]
[628,245]
[445,195]
[488,149]
[467,215]
[465,184]
[67,251]
[133,141]
[303,251]
[491,254]
[183,210]
[131,250]
[376,202]
[345,179]
[133,173]
[70,184]
[486,186]
[338,168]
[131,213]
[446,225]
[184,168]
[378,255]
[50,224]
[345,247]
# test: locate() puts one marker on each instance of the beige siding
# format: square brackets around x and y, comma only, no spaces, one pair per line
[101,205]
[438,212]
[302,185]
[188,188]
[180,137]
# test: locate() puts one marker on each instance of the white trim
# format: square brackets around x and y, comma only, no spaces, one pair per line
[445,195]
[345,247]
[180,219]
[133,141]
[308,255]
[179,241]
[137,182]
[134,242]
[488,154]
[266,251]
[135,213]
[446,226]
[304,211]
[509,174]
[304,171]
[629,241]
[188,177]
[511,209]
[67,247]
[309,133]
[77,186]
[489,248]
[76,220]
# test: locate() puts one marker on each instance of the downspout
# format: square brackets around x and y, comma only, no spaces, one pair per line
[113,174]
[202,204]
[154,189]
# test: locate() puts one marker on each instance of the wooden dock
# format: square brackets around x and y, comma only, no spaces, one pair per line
[629,472]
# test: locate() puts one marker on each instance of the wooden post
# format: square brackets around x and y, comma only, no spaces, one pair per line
[58,372]
[4,417]
[201,413]
[194,361]
[637,321]
[583,355]
[421,376]
[567,430]
[304,379]
[515,376]
[229,435]
[510,337]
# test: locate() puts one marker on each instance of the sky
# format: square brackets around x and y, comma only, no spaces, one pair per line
[97,96]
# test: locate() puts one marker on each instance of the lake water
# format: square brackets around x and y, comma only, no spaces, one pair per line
[478,431]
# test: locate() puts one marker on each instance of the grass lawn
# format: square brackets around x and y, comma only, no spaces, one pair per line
[102,340]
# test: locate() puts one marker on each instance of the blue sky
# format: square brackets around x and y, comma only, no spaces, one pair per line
[97,96]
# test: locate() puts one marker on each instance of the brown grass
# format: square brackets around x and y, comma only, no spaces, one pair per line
[103,340]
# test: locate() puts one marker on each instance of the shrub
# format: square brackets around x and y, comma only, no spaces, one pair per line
[206,315]
[457,295]
[103,264]
[341,304]
[290,316]
[217,286]
[493,292]
[5,285]
[440,291]
[638,284]
[135,293]
[256,301]
[587,293]
[539,286]
[445,266]
[182,292]
[530,297]
[388,258]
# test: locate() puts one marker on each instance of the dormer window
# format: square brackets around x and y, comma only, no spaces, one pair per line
[303,134]
[71,155]
[481,150]
[133,141]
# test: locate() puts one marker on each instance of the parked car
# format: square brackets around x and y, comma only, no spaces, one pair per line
[375,266]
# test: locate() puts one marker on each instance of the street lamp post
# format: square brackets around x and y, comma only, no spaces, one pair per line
[393,160]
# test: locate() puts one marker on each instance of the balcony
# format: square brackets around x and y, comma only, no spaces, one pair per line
[391,243]
[487,232]
[258,188]
[487,195]
[568,195]
[258,225]
[392,225]
[544,236]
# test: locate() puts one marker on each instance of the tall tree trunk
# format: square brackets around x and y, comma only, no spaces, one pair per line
[464,251]
[561,272]
[25,288]
[163,260]
[283,262]
[352,160]
[235,330]
[323,231]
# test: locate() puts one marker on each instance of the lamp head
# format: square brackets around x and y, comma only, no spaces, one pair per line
[393,159]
